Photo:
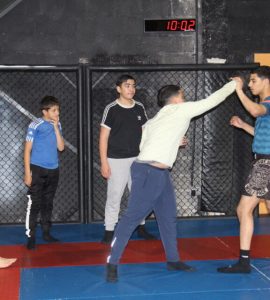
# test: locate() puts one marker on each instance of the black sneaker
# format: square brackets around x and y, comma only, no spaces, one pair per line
[107,238]
[142,233]
[31,243]
[236,268]
[47,237]
[179,266]
[111,275]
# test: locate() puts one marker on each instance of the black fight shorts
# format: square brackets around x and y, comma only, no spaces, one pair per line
[258,181]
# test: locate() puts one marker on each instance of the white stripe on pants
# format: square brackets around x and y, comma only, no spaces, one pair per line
[116,184]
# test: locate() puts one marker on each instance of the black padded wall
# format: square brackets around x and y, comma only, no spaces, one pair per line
[234,30]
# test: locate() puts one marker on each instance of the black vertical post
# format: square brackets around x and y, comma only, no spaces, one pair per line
[80,142]
[89,144]
[193,189]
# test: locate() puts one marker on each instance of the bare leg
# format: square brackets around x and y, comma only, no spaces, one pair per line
[6,262]
[245,210]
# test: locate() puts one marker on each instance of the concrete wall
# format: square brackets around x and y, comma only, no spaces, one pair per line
[105,31]
[112,31]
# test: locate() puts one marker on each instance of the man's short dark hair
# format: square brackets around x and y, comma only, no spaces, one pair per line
[47,102]
[166,92]
[262,72]
[123,78]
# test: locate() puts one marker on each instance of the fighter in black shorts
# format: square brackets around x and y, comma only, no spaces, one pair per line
[257,186]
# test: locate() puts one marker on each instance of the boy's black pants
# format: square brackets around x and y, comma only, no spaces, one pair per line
[40,198]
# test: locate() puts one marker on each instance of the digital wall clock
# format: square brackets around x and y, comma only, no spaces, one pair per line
[171,25]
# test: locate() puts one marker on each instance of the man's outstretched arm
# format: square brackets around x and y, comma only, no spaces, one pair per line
[197,108]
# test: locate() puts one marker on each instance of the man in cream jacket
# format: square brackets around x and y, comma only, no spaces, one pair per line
[152,189]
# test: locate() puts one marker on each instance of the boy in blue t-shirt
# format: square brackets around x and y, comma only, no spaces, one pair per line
[257,185]
[43,141]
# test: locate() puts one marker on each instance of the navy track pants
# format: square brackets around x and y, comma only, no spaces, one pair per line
[151,190]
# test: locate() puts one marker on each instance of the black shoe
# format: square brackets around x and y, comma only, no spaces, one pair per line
[107,238]
[111,275]
[142,233]
[236,268]
[49,238]
[31,243]
[179,266]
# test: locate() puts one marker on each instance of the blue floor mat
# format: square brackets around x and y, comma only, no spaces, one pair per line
[147,281]
[15,235]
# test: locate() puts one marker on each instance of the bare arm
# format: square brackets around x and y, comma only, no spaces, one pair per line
[253,108]
[103,149]
[239,123]
[59,139]
[27,170]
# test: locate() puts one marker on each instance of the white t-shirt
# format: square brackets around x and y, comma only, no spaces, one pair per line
[162,134]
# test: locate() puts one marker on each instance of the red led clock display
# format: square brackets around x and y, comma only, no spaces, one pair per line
[170,25]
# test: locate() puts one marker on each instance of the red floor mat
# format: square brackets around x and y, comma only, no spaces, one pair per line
[260,245]
[10,283]
[91,253]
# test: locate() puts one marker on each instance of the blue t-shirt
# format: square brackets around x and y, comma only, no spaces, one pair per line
[44,149]
[261,142]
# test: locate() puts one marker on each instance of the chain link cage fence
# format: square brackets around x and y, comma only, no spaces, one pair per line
[209,172]
[20,95]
